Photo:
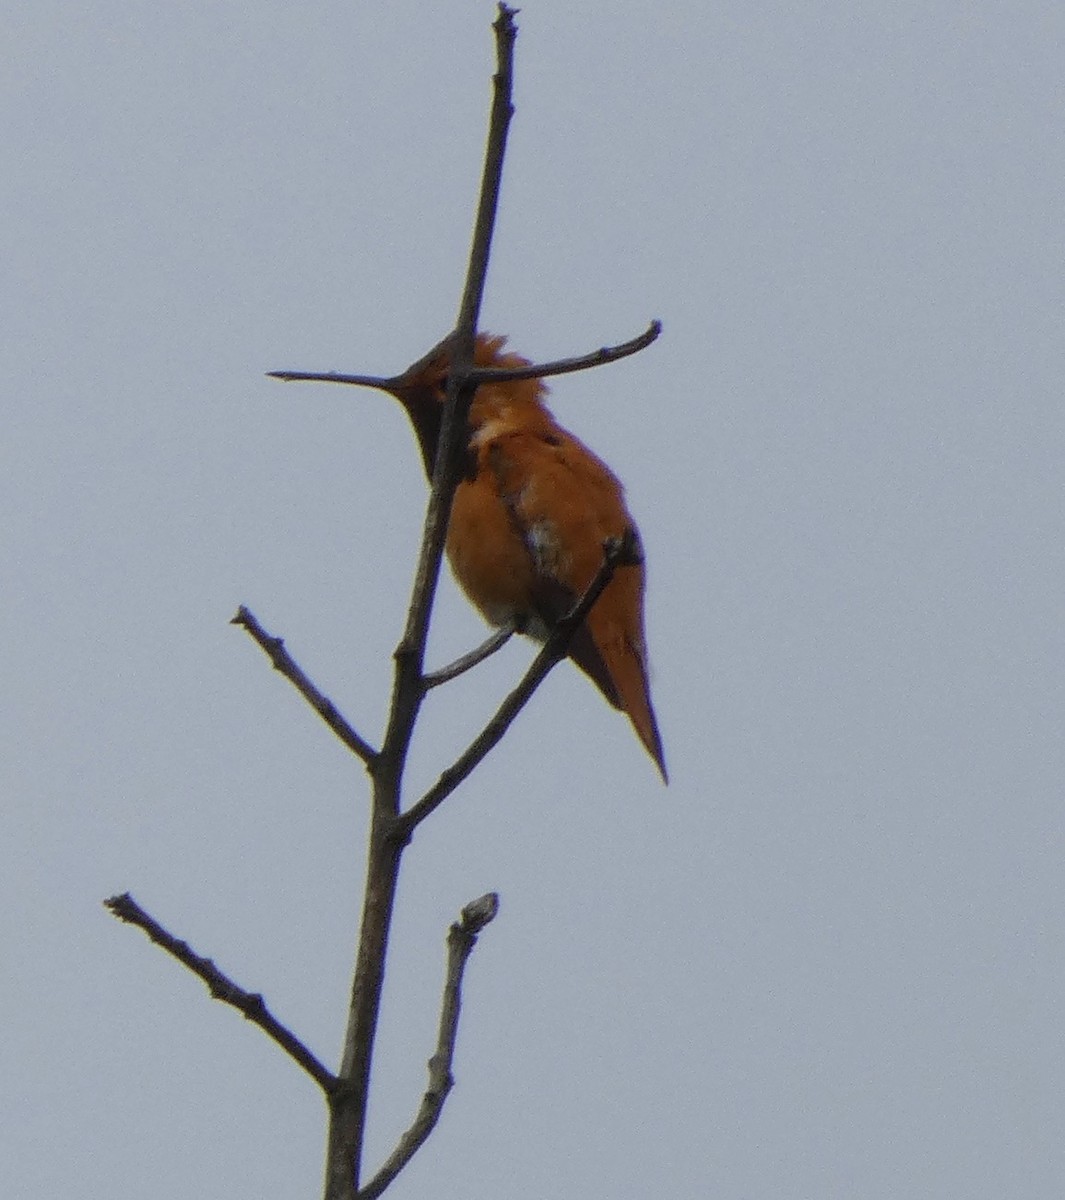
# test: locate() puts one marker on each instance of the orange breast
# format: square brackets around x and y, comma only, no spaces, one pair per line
[487,553]
[537,511]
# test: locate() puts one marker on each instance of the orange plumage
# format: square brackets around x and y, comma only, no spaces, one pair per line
[528,522]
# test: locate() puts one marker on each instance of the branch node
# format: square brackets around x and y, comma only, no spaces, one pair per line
[478,913]
[616,551]
[254,1007]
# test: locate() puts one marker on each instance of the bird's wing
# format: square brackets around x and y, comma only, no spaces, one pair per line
[563,503]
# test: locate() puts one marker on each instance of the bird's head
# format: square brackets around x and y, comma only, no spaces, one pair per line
[422,388]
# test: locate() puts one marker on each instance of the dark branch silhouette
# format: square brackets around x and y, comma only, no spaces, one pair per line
[391,828]
[563,366]
[495,641]
[348,1105]
[617,552]
[567,366]
[461,939]
[322,705]
[221,987]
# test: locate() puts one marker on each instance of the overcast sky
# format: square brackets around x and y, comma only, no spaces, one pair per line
[827,962]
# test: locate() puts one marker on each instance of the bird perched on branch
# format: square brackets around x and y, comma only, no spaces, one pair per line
[529,520]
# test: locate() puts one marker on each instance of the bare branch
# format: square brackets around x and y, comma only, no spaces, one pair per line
[322,705]
[251,1004]
[461,939]
[563,366]
[408,690]
[347,1092]
[468,661]
[617,552]
[348,1105]
[499,122]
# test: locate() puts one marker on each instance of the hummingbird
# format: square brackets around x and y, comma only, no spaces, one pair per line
[528,521]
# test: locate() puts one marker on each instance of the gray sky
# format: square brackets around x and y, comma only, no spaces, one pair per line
[827,962]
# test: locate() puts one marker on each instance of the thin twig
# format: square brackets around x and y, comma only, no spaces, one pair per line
[461,939]
[221,987]
[616,552]
[502,110]
[562,366]
[468,661]
[322,705]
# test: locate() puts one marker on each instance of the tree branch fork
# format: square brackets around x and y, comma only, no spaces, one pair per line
[616,552]
[392,826]
[461,939]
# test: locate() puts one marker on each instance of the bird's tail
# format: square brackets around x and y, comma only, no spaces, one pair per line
[634,688]
[619,669]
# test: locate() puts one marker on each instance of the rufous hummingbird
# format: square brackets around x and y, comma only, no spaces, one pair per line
[529,520]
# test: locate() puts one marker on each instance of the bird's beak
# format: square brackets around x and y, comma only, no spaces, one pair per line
[394,384]
[414,389]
